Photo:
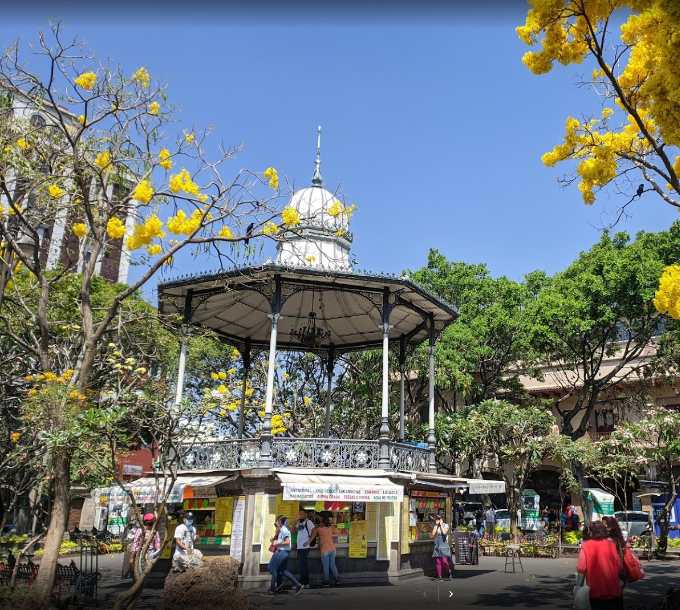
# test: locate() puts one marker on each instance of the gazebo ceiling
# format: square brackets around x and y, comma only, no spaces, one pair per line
[236,305]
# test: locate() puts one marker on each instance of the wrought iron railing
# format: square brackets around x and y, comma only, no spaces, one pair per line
[220,455]
[324,453]
[409,458]
[302,453]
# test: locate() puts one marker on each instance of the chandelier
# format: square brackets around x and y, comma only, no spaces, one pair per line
[311,335]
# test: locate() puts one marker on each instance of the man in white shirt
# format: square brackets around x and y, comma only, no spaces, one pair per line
[185,535]
[304,526]
[490,520]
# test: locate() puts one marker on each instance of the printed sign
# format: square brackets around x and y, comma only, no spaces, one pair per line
[342,492]
[236,549]
[358,540]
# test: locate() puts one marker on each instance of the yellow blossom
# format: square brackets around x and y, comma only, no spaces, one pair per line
[214,376]
[222,375]
[270,229]
[22,144]
[142,77]
[153,108]
[143,192]
[235,353]
[165,160]
[81,119]
[15,436]
[335,209]
[183,182]
[271,175]
[667,298]
[222,388]
[54,191]
[290,217]
[115,228]
[225,232]
[103,160]
[311,259]
[202,197]
[80,229]
[144,234]
[154,249]
[86,80]
[181,225]
[189,138]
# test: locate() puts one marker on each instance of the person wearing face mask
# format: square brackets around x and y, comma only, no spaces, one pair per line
[185,534]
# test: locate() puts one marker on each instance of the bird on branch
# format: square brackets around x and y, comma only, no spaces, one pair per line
[249,232]
[640,190]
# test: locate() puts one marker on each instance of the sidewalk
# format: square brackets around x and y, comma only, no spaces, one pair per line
[545,583]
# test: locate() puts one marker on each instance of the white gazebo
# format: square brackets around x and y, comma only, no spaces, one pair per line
[311,299]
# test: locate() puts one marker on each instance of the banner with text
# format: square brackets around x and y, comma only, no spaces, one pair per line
[343,492]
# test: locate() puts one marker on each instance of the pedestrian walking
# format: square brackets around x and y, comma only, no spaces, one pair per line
[442,549]
[305,528]
[141,536]
[278,565]
[600,562]
[325,534]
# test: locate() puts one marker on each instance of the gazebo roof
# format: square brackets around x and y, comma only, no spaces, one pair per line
[236,305]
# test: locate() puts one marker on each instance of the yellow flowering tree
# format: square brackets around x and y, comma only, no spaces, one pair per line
[636,135]
[96,159]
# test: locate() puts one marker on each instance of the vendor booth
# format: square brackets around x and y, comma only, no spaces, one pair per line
[597,503]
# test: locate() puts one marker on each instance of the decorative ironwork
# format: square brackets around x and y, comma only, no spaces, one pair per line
[220,455]
[301,453]
[409,458]
[324,453]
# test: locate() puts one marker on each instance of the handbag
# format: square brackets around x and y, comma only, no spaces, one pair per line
[581,597]
[632,566]
[272,548]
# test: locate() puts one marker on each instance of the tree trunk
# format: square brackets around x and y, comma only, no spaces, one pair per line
[44,581]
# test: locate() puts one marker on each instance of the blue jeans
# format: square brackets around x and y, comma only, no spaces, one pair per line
[304,567]
[278,566]
[328,561]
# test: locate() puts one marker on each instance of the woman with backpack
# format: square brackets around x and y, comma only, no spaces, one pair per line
[442,550]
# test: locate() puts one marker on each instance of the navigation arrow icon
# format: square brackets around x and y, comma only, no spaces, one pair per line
[425,594]
[450,593]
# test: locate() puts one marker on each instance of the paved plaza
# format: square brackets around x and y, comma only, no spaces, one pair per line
[545,584]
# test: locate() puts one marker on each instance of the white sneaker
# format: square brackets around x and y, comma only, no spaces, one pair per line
[308,586]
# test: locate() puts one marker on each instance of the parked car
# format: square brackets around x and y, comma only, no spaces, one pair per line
[503,517]
[470,508]
[634,522]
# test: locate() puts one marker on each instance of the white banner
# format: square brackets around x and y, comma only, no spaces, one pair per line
[486,487]
[341,492]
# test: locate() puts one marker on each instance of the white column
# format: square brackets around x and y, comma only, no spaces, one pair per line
[269,396]
[431,439]
[180,372]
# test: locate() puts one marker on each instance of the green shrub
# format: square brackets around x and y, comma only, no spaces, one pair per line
[572,537]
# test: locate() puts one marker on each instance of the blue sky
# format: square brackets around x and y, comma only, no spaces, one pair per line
[431,123]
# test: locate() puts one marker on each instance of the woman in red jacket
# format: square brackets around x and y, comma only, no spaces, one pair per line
[601,563]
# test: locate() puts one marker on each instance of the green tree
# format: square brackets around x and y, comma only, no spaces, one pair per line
[513,439]
[653,439]
[482,355]
[594,322]
[632,46]
[99,163]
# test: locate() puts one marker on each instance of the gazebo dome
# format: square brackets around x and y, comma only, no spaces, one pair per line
[322,238]
[318,207]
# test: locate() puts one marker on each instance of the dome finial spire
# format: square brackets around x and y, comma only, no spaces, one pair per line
[317,180]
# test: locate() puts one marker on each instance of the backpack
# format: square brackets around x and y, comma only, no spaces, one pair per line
[575,520]
[311,542]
